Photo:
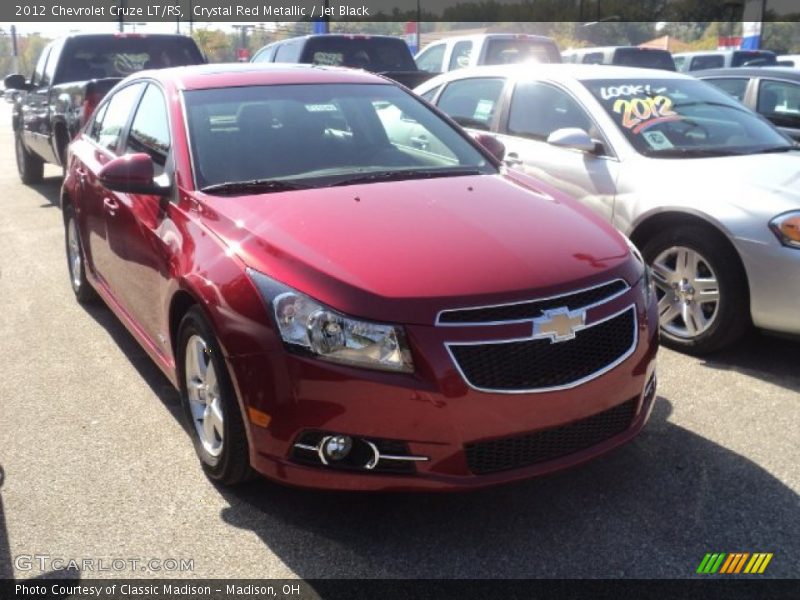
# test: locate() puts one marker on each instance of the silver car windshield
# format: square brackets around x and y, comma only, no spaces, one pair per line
[674,118]
[279,137]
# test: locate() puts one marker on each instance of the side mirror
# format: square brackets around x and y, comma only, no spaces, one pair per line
[572,137]
[132,174]
[492,144]
[15,82]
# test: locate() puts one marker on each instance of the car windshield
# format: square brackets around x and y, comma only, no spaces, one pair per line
[317,135]
[683,118]
[96,57]
[372,54]
[506,51]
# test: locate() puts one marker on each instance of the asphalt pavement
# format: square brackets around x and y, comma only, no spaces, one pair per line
[98,466]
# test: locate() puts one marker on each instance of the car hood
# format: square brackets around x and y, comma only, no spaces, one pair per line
[402,251]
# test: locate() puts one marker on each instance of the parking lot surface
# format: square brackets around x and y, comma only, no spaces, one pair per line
[97,464]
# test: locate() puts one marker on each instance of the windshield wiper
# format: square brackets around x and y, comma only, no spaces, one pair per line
[690,152]
[253,185]
[402,174]
[774,149]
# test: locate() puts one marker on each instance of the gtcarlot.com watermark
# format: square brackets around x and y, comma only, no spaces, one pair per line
[47,563]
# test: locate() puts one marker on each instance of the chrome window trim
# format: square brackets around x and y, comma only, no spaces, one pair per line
[622,292]
[566,386]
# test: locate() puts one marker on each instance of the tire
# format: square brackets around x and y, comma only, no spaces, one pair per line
[209,402]
[76,264]
[703,298]
[29,166]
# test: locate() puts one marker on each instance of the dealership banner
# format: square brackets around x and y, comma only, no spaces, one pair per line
[396,589]
[396,10]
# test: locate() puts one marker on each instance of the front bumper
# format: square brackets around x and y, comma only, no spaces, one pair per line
[433,412]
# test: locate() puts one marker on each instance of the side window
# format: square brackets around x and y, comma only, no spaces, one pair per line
[780,98]
[736,87]
[38,72]
[472,102]
[538,109]
[150,129]
[97,122]
[593,58]
[679,62]
[431,59]
[460,56]
[116,116]
[707,61]
[430,94]
[287,52]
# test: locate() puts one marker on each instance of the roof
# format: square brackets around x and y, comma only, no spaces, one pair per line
[724,52]
[777,72]
[244,74]
[562,72]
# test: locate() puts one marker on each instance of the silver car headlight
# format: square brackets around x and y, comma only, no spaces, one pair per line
[646,280]
[306,324]
[787,228]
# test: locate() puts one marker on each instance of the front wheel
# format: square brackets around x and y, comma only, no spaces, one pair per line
[701,289]
[29,166]
[209,402]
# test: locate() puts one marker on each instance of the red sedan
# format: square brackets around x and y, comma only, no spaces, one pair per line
[348,290]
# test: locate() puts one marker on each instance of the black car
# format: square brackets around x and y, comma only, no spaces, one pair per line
[773,92]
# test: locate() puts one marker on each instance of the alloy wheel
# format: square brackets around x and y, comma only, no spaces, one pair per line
[688,292]
[74,252]
[205,403]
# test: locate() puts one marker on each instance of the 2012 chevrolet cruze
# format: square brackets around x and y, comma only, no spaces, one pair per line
[344,309]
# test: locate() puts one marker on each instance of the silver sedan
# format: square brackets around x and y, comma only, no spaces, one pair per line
[708,190]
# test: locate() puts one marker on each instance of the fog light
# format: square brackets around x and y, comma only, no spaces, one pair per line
[337,447]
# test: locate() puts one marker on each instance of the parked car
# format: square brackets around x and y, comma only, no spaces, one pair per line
[773,92]
[789,60]
[383,54]
[71,76]
[705,187]
[341,310]
[627,56]
[462,51]
[718,59]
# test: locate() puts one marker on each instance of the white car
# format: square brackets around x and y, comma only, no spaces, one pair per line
[708,190]
[462,51]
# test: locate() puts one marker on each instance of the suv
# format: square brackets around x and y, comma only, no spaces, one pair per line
[71,77]
[459,52]
[717,59]
[627,56]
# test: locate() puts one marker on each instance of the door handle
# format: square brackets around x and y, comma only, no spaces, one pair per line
[512,158]
[110,205]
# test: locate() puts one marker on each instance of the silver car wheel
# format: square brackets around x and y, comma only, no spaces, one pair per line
[687,290]
[202,388]
[74,251]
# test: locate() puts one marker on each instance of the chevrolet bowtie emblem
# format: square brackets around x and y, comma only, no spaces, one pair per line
[559,324]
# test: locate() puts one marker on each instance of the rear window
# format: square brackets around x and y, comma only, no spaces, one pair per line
[372,54]
[96,57]
[753,59]
[642,57]
[509,51]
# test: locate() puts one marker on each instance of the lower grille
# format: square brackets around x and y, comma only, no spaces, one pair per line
[540,446]
[538,364]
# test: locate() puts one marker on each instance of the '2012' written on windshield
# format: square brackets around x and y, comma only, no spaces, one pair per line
[638,110]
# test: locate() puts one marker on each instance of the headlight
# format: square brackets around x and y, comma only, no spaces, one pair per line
[646,280]
[787,228]
[310,325]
